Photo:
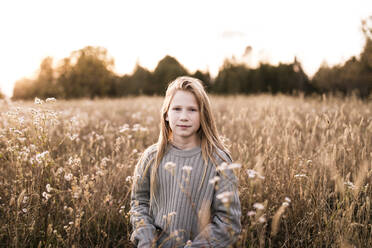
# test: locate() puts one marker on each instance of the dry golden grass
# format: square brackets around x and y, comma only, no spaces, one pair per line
[305,176]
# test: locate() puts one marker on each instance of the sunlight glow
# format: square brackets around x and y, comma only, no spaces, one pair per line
[200,34]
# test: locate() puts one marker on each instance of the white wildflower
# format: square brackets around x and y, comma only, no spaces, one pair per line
[251,213]
[187,168]
[234,166]
[253,174]
[258,206]
[68,177]
[104,161]
[300,175]
[262,219]
[222,166]
[59,170]
[124,128]
[225,196]
[214,180]
[46,195]
[24,210]
[50,99]
[39,157]
[169,166]
[350,185]
[38,101]
[48,187]
[285,204]
[287,199]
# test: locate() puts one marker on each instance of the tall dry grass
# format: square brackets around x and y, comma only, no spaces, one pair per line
[305,179]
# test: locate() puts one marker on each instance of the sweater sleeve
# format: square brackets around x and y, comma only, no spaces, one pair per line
[225,225]
[140,218]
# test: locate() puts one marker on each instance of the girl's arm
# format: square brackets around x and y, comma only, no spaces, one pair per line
[225,225]
[141,220]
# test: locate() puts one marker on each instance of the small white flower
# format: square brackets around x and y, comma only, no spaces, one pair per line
[214,180]
[187,168]
[39,157]
[262,219]
[350,185]
[128,179]
[234,166]
[287,199]
[48,187]
[225,196]
[251,213]
[50,99]
[300,175]
[38,101]
[258,206]
[253,174]
[124,128]
[59,170]
[71,223]
[169,166]
[285,204]
[24,210]
[68,177]
[46,195]
[223,166]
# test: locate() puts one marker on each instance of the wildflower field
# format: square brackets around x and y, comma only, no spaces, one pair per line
[305,178]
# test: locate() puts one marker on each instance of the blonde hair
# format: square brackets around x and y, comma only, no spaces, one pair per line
[210,139]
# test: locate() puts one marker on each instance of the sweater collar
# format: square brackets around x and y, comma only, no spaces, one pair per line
[183,153]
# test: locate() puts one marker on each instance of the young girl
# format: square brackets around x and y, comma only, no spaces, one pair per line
[184,193]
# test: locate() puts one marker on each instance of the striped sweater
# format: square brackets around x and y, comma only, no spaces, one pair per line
[189,211]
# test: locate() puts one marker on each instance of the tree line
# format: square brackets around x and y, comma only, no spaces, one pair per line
[88,73]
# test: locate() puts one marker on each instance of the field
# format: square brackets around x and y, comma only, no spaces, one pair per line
[305,176]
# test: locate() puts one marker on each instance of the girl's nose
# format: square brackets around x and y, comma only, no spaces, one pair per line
[184,115]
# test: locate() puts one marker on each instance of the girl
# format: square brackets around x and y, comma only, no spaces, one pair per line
[184,193]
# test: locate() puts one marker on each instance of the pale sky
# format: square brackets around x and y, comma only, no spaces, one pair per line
[200,34]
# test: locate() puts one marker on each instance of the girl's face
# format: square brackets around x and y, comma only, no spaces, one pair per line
[184,117]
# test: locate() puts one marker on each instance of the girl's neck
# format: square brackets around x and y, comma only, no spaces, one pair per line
[186,144]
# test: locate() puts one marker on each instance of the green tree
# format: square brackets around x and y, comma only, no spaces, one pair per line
[87,73]
[204,77]
[23,89]
[45,84]
[167,70]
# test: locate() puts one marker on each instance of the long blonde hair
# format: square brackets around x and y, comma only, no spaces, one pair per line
[210,139]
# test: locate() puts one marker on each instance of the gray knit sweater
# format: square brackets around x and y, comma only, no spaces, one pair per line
[187,213]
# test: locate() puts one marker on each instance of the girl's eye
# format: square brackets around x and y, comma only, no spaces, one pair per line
[194,110]
[177,109]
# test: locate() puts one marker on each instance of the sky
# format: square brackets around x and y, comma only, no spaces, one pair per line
[199,34]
